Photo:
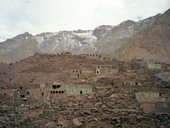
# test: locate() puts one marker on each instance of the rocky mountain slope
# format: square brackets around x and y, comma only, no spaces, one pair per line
[104,39]
[19,47]
[119,35]
[153,43]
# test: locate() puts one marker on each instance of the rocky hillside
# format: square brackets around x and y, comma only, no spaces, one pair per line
[43,68]
[153,43]
[115,37]
[19,47]
[103,39]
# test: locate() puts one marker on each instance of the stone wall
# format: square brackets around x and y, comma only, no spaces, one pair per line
[92,56]
[165,76]
[153,102]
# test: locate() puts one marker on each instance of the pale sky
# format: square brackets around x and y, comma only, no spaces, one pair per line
[36,16]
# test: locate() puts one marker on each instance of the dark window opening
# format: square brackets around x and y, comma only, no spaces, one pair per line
[61,91]
[22,96]
[28,93]
[97,72]
[56,92]
[56,86]
[51,92]
[161,94]
[59,125]
[81,92]
[78,75]
[73,70]
[20,88]
[5,94]
[42,94]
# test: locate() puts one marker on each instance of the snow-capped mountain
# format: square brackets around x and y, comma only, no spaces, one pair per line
[103,39]
[73,41]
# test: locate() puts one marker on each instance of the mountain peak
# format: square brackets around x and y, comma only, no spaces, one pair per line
[27,34]
[127,22]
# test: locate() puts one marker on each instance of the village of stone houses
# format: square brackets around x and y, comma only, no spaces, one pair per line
[84,91]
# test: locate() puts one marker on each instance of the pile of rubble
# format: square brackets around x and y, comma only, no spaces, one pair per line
[102,109]
[10,118]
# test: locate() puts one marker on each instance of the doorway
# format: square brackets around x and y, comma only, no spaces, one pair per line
[81,92]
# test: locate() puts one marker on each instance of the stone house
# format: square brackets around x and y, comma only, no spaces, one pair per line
[98,57]
[105,69]
[166,67]
[5,92]
[46,91]
[69,89]
[66,54]
[151,65]
[21,93]
[165,76]
[91,56]
[41,92]
[154,102]
[75,73]
[106,58]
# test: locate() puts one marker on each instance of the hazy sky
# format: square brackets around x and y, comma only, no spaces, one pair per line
[36,16]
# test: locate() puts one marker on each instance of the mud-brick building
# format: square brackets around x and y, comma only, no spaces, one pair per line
[75,73]
[5,92]
[21,93]
[97,56]
[41,92]
[168,67]
[105,69]
[164,76]
[69,89]
[106,58]
[66,53]
[154,102]
[46,92]
[151,65]
[82,73]
[92,56]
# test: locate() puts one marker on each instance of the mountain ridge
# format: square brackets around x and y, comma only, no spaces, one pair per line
[151,44]
[104,39]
